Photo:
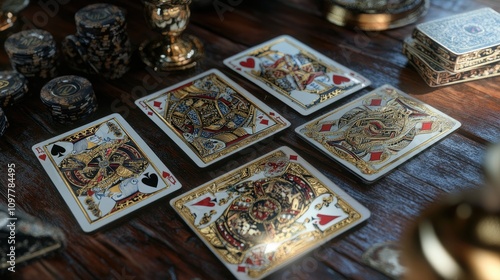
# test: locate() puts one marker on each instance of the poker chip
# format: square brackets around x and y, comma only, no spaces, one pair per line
[69,98]
[13,87]
[3,122]
[32,53]
[101,44]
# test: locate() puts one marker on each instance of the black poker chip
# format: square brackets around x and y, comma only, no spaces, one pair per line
[32,53]
[69,98]
[3,122]
[99,19]
[101,45]
[13,87]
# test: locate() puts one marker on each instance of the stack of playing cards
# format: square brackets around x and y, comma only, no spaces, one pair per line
[456,49]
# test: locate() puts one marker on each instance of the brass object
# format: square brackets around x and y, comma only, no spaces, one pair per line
[173,50]
[8,12]
[459,238]
[375,15]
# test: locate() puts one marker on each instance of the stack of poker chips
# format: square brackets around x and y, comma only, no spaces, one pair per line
[456,49]
[3,122]
[33,53]
[101,45]
[375,15]
[69,98]
[13,87]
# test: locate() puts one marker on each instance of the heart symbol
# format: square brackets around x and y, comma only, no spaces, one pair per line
[150,180]
[249,63]
[165,174]
[205,202]
[90,192]
[42,157]
[325,219]
[340,79]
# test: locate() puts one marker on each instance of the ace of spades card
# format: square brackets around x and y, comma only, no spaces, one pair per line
[104,171]
[377,132]
[296,74]
[211,117]
[267,213]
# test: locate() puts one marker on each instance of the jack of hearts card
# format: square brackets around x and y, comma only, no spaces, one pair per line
[104,170]
[268,213]
[296,74]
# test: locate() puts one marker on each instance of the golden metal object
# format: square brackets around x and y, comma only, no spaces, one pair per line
[459,238]
[377,16]
[8,12]
[172,51]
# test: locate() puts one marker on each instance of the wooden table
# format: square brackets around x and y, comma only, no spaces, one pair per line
[153,242]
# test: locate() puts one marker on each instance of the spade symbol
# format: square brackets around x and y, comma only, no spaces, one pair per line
[57,151]
[150,180]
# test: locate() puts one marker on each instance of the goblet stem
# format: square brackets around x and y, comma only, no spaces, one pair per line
[172,51]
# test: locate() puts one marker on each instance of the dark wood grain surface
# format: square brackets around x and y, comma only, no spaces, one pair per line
[153,242]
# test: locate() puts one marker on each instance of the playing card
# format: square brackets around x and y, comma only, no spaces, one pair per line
[210,117]
[104,171]
[464,37]
[296,74]
[377,132]
[268,213]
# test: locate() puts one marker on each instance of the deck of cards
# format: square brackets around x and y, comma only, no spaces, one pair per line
[456,49]
[267,213]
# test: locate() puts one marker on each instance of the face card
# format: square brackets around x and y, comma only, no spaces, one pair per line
[377,132]
[210,117]
[104,171]
[268,213]
[296,74]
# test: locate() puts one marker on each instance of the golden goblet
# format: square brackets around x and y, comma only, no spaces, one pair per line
[173,50]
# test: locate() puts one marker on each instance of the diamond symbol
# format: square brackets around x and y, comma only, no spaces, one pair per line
[264,122]
[326,127]
[150,113]
[375,156]
[272,114]
[293,157]
[376,102]
[427,126]
[157,104]
[241,268]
